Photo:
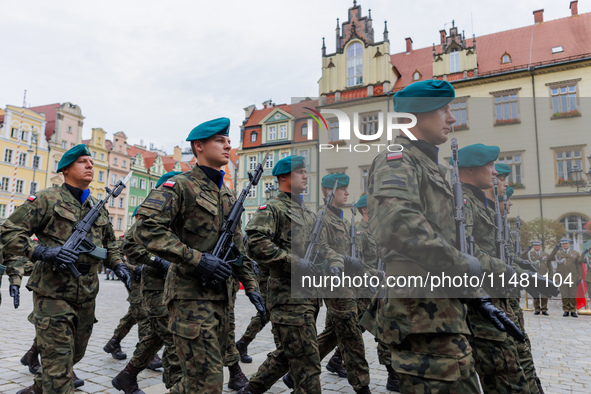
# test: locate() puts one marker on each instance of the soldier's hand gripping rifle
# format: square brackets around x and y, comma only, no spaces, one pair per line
[225,248]
[465,244]
[313,249]
[78,240]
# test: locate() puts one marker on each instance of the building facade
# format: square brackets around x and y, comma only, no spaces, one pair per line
[97,144]
[119,167]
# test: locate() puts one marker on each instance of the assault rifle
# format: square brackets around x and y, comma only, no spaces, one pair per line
[517,238]
[465,244]
[355,252]
[313,249]
[78,240]
[507,233]
[499,239]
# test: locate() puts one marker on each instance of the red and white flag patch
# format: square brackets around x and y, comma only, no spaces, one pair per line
[169,183]
[394,156]
[32,197]
[262,207]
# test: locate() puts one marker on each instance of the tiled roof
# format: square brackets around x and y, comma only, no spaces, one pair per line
[258,114]
[185,167]
[234,155]
[169,163]
[50,111]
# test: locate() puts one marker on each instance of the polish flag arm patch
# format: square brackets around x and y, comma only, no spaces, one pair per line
[262,207]
[32,198]
[394,156]
[169,183]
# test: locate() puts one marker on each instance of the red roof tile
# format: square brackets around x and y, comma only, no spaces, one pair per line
[50,111]
[185,167]
[169,163]
[258,114]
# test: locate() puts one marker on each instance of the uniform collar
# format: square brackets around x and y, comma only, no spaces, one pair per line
[336,211]
[477,192]
[216,176]
[430,150]
[297,198]
[79,194]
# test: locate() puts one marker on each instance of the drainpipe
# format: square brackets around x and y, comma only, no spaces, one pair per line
[531,70]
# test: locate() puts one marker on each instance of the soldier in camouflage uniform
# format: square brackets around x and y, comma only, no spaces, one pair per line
[181,222]
[539,259]
[411,215]
[63,312]
[569,265]
[276,239]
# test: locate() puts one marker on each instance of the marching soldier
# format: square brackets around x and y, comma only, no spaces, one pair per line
[569,267]
[63,312]
[540,260]
[276,238]
[181,223]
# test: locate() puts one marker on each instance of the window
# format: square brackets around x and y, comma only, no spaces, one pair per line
[119,223]
[143,184]
[152,185]
[8,155]
[111,220]
[253,136]
[140,200]
[132,200]
[120,202]
[355,64]
[334,130]
[513,161]
[36,161]
[369,123]
[565,161]
[25,136]
[574,224]
[249,216]
[252,163]
[282,131]
[4,184]
[70,129]
[364,173]
[284,154]
[20,185]
[3,210]
[99,196]
[130,220]
[22,159]
[65,144]
[272,132]
[506,107]
[267,186]
[55,164]
[505,59]
[124,163]
[304,154]
[557,49]
[72,145]
[133,181]
[113,179]
[112,202]
[269,162]
[304,130]
[416,76]
[102,156]
[33,187]
[564,98]
[101,176]
[458,109]
[14,132]
[115,161]
[252,193]
[454,61]
[94,155]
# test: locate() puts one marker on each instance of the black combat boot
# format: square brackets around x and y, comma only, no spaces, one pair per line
[288,380]
[335,364]
[242,347]
[126,380]
[363,390]
[249,390]
[114,348]
[31,359]
[155,364]
[77,381]
[30,390]
[237,378]
[393,382]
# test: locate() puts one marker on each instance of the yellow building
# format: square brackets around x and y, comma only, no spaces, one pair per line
[100,155]
[30,162]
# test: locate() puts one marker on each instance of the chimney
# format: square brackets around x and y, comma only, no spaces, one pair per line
[268,104]
[249,110]
[408,44]
[539,16]
[178,153]
[574,11]
[442,34]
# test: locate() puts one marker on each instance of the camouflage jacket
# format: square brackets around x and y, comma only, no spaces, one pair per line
[568,262]
[182,219]
[369,246]
[335,239]
[275,237]
[52,215]
[152,278]
[540,260]
[17,267]
[412,217]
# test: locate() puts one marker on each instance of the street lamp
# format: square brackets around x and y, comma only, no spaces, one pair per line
[576,175]
[270,191]
[35,137]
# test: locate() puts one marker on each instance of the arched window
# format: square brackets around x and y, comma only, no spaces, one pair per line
[574,225]
[454,61]
[416,76]
[506,58]
[355,64]
[253,136]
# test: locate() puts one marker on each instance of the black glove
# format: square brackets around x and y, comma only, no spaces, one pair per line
[353,264]
[161,264]
[335,271]
[15,293]
[57,255]
[257,300]
[123,274]
[255,268]
[544,287]
[526,265]
[137,273]
[474,269]
[305,266]
[528,248]
[486,309]
[212,268]
[557,246]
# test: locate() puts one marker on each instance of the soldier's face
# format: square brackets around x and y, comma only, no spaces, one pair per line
[503,182]
[214,152]
[299,180]
[537,248]
[340,197]
[509,205]
[484,176]
[434,126]
[80,173]
[565,245]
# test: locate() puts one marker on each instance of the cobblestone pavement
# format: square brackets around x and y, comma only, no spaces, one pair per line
[560,348]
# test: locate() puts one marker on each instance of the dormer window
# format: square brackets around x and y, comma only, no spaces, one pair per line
[506,58]
[454,61]
[557,49]
[416,76]
[253,136]
[355,64]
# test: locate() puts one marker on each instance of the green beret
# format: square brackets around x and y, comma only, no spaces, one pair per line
[329,180]
[362,202]
[70,156]
[135,211]
[288,164]
[536,242]
[508,192]
[209,128]
[166,177]
[502,169]
[477,155]
[565,240]
[424,96]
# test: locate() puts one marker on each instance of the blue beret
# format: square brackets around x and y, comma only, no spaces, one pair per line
[362,202]
[536,242]
[209,128]
[329,180]
[502,169]
[288,164]
[135,211]
[477,155]
[70,156]
[424,96]
[166,177]
[509,191]
[565,240]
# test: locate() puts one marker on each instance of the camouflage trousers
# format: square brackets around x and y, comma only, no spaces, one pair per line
[294,331]
[62,332]
[157,336]
[435,363]
[526,359]
[136,314]
[200,329]
[342,329]
[382,349]
[496,354]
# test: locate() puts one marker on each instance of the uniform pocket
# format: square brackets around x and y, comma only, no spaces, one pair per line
[297,334]
[427,366]
[185,328]
[40,322]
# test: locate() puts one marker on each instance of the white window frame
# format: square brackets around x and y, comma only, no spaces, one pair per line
[252,193]
[133,182]
[3,208]
[454,61]
[5,184]
[272,133]
[270,160]
[115,161]
[101,176]
[355,64]
[515,161]
[8,154]
[252,163]
[34,187]
[143,184]
[20,185]
[282,132]
[132,201]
